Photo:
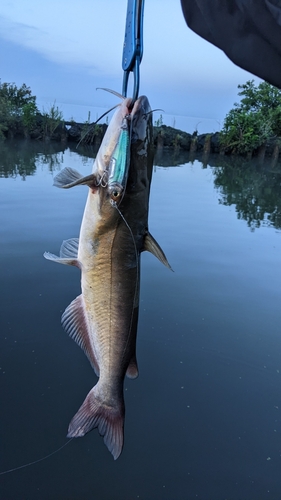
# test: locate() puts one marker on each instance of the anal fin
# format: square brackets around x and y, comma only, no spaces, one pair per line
[75,323]
[132,370]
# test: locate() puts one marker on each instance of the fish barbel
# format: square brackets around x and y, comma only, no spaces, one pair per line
[114,231]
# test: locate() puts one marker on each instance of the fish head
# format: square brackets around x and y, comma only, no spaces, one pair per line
[141,118]
[141,151]
[113,159]
[135,129]
[121,163]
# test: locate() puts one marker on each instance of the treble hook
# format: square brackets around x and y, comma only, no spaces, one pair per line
[133,46]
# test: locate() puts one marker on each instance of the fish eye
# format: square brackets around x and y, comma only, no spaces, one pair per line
[115,194]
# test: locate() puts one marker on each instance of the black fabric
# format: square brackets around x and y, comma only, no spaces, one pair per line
[248,31]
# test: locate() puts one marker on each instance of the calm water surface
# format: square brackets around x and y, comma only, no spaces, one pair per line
[203,418]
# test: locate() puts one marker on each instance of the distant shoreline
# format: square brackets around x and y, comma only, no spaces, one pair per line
[165,138]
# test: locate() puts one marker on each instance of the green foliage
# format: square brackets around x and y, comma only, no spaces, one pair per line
[17,107]
[51,120]
[243,132]
[263,97]
[16,97]
[159,122]
[4,116]
[253,121]
[29,112]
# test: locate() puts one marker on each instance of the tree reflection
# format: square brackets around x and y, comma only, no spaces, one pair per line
[170,158]
[23,157]
[16,160]
[254,187]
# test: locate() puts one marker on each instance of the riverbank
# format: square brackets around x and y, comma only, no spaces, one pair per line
[165,137]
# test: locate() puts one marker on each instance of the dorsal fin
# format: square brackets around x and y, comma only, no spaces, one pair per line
[75,323]
[151,245]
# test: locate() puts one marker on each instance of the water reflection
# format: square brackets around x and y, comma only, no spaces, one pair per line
[166,158]
[22,157]
[16,160]
[254,187]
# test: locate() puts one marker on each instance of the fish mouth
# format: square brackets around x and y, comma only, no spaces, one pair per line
[140,107]
[140,118]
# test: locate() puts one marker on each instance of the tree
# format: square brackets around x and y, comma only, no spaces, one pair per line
[17,108]
[253,121]
[16,97]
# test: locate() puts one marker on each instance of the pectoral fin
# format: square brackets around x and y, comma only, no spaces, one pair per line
[151,245]
[68,253]
[69,177]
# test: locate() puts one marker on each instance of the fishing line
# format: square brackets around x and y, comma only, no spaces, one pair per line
[114,204]
[36,461]
[91,126]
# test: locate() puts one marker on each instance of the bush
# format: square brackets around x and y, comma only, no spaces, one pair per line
[253,121]
[17,107]
[51,120]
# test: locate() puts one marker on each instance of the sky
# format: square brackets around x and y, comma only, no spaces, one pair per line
[64,50]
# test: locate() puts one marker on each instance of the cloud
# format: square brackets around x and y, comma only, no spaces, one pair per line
[90,34]
[72,34]
[70,48]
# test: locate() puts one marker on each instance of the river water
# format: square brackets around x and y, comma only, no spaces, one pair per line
[203,420]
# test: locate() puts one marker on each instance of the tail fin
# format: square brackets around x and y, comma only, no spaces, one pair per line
[109,421]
